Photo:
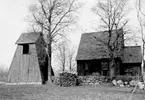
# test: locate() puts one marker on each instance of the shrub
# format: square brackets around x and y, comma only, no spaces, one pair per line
[56,80]
[3,76]
[124,78]
[79,81]
[127,78]
[67,79]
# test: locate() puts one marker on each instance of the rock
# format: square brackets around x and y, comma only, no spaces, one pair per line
[127,85]
[114,82]
[121,85]
[125,82]
[140,85]
[119,82]
[133,83]
[97,83]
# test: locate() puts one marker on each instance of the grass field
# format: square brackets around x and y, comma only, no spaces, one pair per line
[49,92]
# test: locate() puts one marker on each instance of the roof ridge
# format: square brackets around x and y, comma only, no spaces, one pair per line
[98,31]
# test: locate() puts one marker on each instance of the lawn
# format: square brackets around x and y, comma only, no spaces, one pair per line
[51,92]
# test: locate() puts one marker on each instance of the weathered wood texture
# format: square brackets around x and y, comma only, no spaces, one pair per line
[31,67]
[92,45]
[88,67]
[92,52]
[25,67]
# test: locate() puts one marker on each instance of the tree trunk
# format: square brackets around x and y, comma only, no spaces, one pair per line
[70,66]
[142,64]
[112,68]
[63,68]
[49,61]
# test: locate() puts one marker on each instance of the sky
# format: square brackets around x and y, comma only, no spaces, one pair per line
[12,24]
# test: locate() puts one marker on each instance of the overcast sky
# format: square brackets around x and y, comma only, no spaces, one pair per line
[12,24]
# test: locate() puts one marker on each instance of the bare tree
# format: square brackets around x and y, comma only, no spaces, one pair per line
[141,17]
[112,14]
[65,55]
[62,54]
[53,17]
[71,58]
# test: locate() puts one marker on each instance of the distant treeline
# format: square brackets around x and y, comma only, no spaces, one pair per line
[3,75]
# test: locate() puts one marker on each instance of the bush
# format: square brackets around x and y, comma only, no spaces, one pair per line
[127,78]
[79,81]
[56,80]
[3,76]
[67,79]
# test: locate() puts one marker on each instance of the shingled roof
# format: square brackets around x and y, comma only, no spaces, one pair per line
[132,54]
[90,49]
[28,37]
[92,46]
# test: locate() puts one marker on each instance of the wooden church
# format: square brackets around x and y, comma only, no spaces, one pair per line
[29,64]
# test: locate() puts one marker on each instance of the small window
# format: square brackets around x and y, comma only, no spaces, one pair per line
[25,49]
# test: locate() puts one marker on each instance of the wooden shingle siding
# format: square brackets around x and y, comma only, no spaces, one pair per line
[25,68]
[32,66]
[90,48]
[92,52]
